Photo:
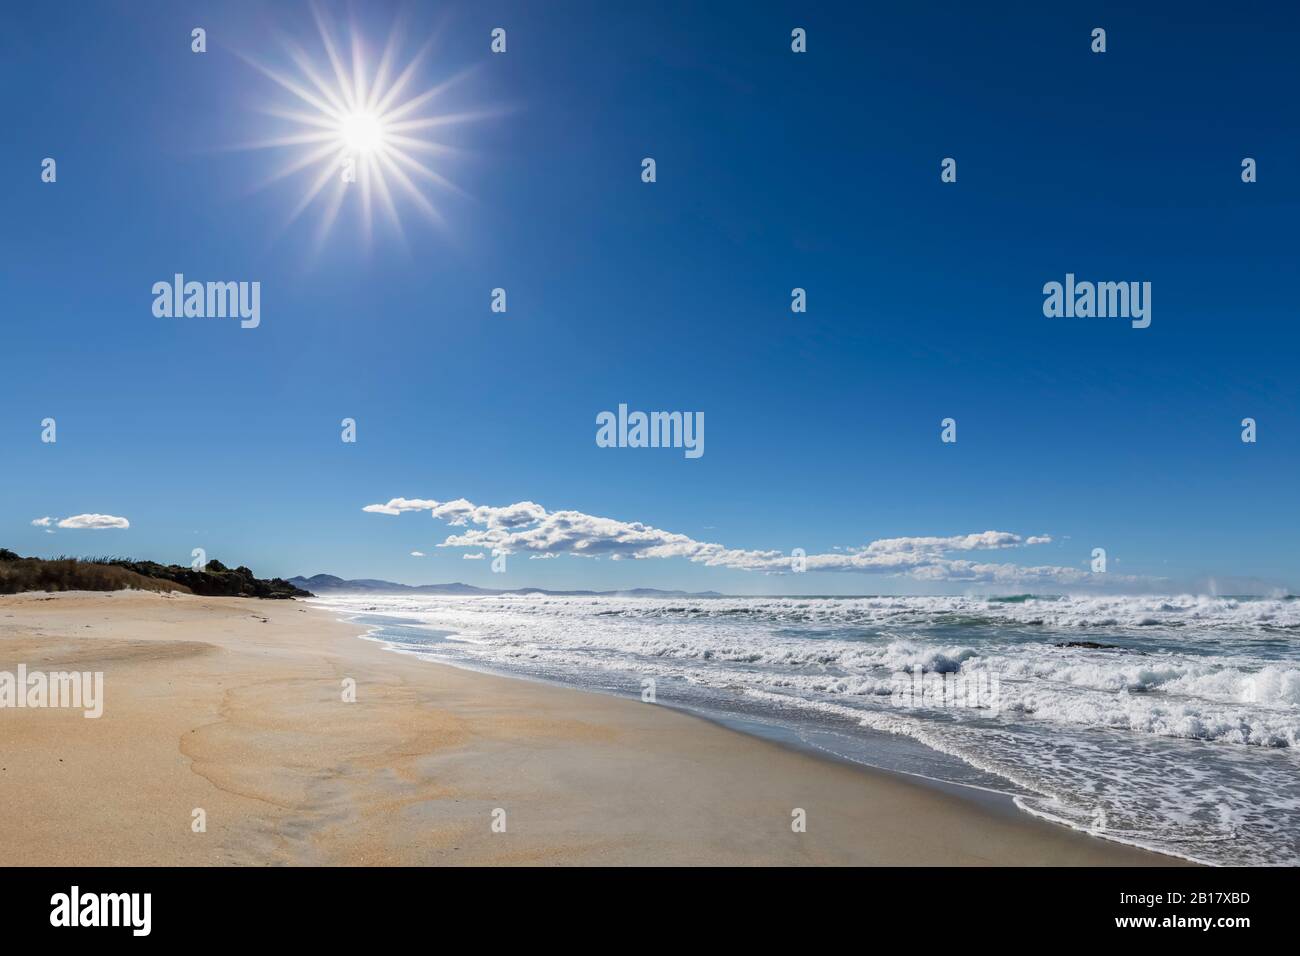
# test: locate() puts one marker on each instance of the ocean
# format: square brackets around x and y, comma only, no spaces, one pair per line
[1171,723]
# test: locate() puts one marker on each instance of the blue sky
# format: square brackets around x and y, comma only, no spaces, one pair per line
[775,170]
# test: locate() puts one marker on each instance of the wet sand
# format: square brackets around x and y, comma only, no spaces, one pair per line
[236,708]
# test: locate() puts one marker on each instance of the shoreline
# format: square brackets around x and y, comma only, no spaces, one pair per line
[1006,802]
[234,707]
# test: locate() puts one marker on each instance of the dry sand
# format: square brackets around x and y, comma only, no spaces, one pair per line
[235,706]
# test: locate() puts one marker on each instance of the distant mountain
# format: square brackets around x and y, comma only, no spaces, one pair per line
[324,583]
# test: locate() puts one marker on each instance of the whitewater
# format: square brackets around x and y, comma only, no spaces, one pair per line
[1171,723]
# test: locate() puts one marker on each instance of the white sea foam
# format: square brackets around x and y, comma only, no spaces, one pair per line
[1173,720]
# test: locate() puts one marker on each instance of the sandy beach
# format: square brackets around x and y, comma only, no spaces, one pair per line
[236,707]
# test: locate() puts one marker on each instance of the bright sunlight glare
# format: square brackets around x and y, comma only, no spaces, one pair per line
[359,129]
[362,132]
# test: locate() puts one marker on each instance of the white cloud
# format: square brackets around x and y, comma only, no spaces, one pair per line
[987,540]
[91,522]
[396,506]
[526,527]
[462,512]
[417,554]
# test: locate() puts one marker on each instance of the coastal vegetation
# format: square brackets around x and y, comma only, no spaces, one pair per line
[116,574]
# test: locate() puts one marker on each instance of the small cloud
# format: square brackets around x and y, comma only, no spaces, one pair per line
[417,554]
[396,506]
[474,557]
[94,522]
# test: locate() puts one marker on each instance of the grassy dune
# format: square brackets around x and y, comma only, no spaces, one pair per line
[19,574]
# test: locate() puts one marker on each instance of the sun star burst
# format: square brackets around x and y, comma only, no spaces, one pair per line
[351,129]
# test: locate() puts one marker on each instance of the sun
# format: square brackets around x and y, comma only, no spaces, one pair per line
[362,132]
[354,131]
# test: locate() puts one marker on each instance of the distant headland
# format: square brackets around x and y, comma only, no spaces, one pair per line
[19,574]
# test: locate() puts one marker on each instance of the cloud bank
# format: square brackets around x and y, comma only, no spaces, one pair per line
[525,527]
